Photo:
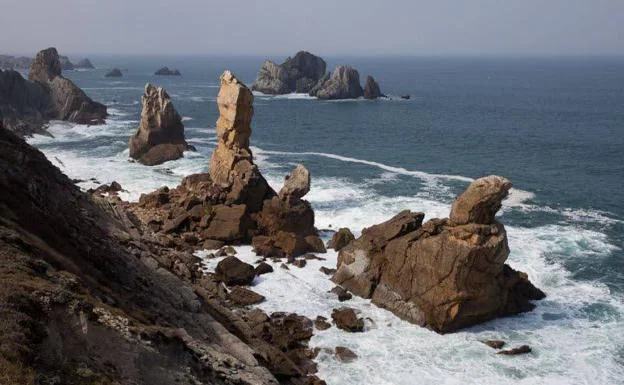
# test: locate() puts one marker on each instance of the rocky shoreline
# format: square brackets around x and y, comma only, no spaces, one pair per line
[94,273]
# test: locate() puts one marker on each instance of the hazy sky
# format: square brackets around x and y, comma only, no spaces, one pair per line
[326,27]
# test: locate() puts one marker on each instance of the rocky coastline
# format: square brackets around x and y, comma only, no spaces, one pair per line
[95,273]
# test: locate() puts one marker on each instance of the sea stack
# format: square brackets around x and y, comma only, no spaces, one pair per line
[297,74]
[67,101]
[445,274]
[160,136]
[344,83]
[84,64]
[371,89]
[165,71]
[114,73]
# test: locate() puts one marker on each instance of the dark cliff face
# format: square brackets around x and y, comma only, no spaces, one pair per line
[80,304]
[26,105]
[297,74]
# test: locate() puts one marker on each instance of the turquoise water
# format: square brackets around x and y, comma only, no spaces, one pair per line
[554,127]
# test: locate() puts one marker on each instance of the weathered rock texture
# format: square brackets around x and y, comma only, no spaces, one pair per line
[160,136]
[371,89]
[297,74]
[445,274]
[25,106]
[92,295]
[344,83]
[233,203]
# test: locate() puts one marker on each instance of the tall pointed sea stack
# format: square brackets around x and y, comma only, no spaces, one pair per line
[160,136]
[445,274]
[231,166]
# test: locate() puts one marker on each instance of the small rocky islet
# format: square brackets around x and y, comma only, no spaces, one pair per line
[306,73]
[118,273]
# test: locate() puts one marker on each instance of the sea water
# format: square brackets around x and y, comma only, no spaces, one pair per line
[554,127]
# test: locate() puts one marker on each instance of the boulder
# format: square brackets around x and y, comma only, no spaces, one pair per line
[371,89]
[494,344]
[342,294]
[344,83]
[160,136]
[263,268]
[346,319]
[440,274]
[345,355]
[340,239]
[524,349]
[165,71]
[297,74]
[296,184]
[242,296]
[229,223]
[481,201]
[321,323]
[114,73]
[233,271]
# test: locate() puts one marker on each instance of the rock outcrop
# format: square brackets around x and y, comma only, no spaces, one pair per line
[165,71]
[340,239]
[233,203]
[66,64]
[371,89]
[445,274]
[160,136]
[344,83]
[84,64]
[297,74]
[25,106]
[114,73]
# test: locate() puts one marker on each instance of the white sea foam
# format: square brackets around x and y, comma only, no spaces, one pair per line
[186,118]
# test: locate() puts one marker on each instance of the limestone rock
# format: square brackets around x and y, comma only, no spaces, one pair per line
[340,239]
[114,73]
[344,83]
[160,136]
[481,200]
[440,274]
[233,271]
[371,89]
[297,183]
[297,74]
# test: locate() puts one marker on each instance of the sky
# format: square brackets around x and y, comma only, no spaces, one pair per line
[325,27]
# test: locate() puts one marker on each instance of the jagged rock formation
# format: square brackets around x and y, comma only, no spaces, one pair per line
[297,74]
[165,71]
[340,239]
[344,83]
[84,64]
[25,106]
[160,136]
[445,274]
[114,73]
[371,89]
[233,202]
[91,295]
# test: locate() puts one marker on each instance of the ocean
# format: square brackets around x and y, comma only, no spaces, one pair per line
[553,126]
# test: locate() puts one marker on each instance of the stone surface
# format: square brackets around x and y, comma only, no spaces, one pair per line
[160,136]
[233,271]
[524,349]
[494,344]
[321,323]
[26,105]
[296,184]
[297,74]
[340,239]
[440,274]
[371,89]
[244,297]
[342,294]
[344,83]
[263,268]
[114,73]
[346,319]
[345,355]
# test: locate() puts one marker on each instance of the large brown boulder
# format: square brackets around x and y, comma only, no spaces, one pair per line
[440,274]
[481,201]
[160,136]
[233,271]
[340,239]
[297,183]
